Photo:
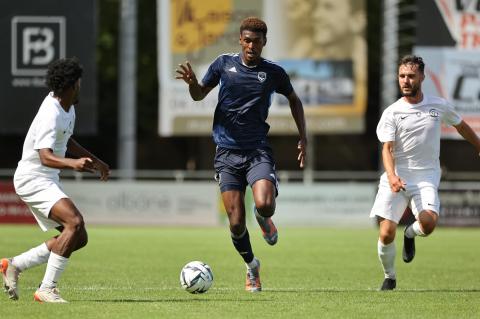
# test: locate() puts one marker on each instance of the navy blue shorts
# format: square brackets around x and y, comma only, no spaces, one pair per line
[235,169]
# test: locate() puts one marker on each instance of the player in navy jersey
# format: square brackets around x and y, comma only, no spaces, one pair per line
[247,83]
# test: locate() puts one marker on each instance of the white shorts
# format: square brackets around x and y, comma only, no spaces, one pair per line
[40,194]
[421,193]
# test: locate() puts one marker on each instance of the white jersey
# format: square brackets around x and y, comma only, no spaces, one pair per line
[415,130]
[51,128]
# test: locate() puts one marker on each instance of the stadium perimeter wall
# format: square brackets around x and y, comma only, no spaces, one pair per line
[170,203]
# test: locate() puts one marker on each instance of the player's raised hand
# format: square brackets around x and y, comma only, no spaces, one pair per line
[302,151]
[396,183]
[186,73]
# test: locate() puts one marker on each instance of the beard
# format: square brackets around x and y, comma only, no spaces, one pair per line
[413,92]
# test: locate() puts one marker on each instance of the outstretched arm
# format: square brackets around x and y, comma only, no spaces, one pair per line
[296,108]
[76,150]
[197,91]
[468,134]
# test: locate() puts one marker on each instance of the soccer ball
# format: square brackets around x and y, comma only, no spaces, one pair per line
[196,277]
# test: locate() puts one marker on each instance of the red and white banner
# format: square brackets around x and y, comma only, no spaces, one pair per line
[448,39]
[463,22]
[12,209]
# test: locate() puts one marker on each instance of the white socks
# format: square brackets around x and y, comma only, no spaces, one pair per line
[414,230]
[55,267]
[386,254]
[33,257]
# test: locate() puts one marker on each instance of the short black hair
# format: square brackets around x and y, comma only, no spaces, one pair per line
[62,74]
[412,59]
[254,24]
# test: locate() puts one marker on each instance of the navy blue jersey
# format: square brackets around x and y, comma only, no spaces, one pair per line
[244,99]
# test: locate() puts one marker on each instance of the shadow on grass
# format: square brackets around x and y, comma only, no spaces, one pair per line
[187,300]
[257,299]
[327,290]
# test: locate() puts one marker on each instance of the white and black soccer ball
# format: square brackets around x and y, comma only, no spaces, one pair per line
[196,277]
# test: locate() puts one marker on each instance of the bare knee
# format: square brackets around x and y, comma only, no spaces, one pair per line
[67,215]
[386,237]
[387,231]
[79,224]
[236,218]
[76,225]
[82,239]
[265,207]
[428,221]
[264,197]
[427,228]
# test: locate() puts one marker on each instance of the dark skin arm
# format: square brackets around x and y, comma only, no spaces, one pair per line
[197,92]
[86,161]
[296,108]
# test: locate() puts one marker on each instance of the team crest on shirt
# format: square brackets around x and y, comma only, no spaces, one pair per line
[262,76]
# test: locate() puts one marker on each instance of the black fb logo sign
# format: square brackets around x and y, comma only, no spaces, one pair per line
[36,42]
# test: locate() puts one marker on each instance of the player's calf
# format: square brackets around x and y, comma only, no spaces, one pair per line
[269,231]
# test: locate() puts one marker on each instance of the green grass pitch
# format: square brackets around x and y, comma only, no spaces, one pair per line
[311,273]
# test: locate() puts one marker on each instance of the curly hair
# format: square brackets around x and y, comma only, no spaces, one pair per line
[62,74]
[413,59]
[254,24]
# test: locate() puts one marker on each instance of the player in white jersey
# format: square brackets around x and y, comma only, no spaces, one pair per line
[37,183]
[410,132]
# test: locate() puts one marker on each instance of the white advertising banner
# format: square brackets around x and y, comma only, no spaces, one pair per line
[145,203]
[199,203]
[326,60]
[326,204]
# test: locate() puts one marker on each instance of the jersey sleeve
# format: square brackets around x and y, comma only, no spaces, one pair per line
[284,85]
[212,77]
[450,116]
[45,133]
[386,127]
